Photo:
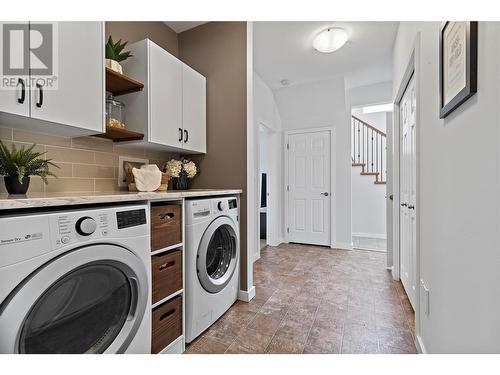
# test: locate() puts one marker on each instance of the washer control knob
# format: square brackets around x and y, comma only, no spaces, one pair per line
[65,239]
[85,226]
[220,206]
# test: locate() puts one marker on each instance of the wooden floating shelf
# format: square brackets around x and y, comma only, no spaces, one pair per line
[120,135]
[119,84]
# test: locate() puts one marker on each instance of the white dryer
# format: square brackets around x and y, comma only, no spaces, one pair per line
[212,261]
[76,281]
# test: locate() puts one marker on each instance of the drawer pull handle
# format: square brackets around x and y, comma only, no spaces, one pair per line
[166,216]
[167,314]
[167,265]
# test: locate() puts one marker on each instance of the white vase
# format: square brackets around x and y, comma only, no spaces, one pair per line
[114,65]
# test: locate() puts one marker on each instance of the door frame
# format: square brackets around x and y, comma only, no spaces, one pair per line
[272,227]
[413,68]
[330,129]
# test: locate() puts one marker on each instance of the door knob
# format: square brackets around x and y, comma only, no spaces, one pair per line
[325,194]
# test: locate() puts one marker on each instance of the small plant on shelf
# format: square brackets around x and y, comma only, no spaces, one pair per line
[17,165]
[115,54]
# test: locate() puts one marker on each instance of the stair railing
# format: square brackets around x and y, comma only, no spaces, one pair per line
[368,149]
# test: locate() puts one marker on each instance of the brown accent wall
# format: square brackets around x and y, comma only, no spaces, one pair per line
[218,51]
[133,31]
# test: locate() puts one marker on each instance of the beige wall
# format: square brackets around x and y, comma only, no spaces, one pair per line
[133,31]
[218,51]
[87,164]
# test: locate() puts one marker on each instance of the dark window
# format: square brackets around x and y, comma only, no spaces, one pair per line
[82,312]
[221,250]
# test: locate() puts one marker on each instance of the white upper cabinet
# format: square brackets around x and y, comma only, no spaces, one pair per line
[171,109]
[165,97]
[194,111]
[79,96]
[67,99]
[15,100]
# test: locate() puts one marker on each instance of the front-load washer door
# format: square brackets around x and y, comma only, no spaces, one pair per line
[218,253]
[89,300]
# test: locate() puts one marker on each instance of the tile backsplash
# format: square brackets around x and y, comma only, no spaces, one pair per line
[87,164]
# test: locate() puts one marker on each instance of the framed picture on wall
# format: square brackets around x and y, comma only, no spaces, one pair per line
[457,64]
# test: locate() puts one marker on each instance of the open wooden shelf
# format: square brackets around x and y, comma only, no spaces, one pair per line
[119,84]
[120,135]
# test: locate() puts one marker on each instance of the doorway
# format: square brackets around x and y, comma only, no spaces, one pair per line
[369,176]
[308,186]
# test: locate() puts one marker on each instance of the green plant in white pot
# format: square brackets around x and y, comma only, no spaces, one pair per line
[18,165]
[114,54]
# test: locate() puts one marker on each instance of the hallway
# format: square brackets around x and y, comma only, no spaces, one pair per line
[312,299]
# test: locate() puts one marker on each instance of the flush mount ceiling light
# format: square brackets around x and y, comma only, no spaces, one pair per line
[330,40]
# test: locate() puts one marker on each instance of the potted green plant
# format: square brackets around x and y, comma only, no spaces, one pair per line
[18,165]
[114,54]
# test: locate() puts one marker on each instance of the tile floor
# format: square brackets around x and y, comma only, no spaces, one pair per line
[312,299]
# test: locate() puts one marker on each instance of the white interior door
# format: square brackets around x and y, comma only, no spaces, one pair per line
[309,188]
[408,191]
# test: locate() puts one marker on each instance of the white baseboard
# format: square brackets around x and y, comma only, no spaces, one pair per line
[380,236]
[420,345]
[256,256]
[246,296]
[342,245]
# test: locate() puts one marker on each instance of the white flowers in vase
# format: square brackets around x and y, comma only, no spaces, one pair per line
[180,171]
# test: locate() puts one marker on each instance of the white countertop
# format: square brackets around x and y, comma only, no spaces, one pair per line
[33,200]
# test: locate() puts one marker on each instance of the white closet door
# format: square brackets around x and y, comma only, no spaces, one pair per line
[408,192]
[309,188]
[78,99]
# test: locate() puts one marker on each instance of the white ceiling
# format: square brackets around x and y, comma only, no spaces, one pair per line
[180,26]
[283,50]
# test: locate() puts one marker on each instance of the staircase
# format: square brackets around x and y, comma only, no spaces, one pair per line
[368,150]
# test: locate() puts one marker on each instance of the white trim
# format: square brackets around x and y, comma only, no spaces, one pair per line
[165,249]
[246,296]
[333,194]
[419,343]
[163,300]
[256,256]
[380,236]
[173,347]
[342,246]
[252,174]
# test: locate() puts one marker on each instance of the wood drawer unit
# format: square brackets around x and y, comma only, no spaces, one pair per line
[166,271]
[167,324]
[166,225]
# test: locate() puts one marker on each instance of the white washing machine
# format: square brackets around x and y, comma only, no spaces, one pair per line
[76,281]
[212,261]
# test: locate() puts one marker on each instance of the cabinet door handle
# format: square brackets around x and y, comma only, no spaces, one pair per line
[167,314]
[23,91]
[40,95]
[167,265]
[186,135]
[180,135]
